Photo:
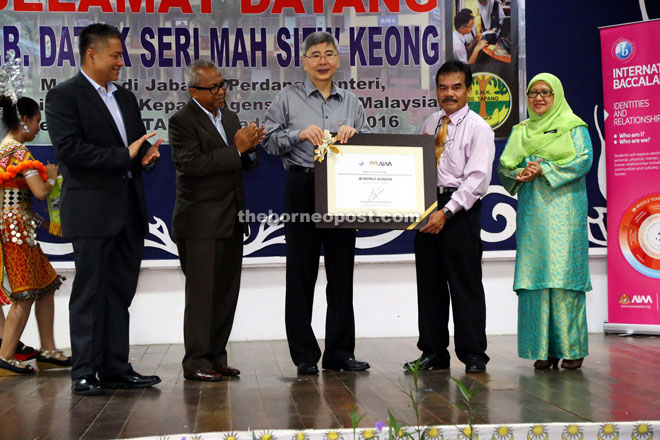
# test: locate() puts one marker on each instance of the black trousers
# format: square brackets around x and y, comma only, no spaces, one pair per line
[213,277]
[303,249]
[106,277]
[449,272]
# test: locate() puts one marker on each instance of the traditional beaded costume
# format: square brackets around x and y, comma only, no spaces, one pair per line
[29,273]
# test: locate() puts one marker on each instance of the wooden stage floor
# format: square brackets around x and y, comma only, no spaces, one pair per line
[620,381]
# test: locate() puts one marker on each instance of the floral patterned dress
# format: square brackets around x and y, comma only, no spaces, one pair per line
[28,271]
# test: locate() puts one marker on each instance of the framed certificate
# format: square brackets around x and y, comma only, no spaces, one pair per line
[377,181]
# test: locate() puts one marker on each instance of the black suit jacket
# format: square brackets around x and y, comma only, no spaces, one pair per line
[94,161]
[209,182]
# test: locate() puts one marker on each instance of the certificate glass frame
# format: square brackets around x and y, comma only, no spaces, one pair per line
[377,181]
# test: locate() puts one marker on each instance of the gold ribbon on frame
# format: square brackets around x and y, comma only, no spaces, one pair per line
[423,216]
[326,147]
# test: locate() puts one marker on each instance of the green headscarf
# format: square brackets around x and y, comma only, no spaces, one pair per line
[547,136]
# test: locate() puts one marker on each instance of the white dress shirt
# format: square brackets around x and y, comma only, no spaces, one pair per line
[216,120]
[108,98]
[458,43]
[467,160]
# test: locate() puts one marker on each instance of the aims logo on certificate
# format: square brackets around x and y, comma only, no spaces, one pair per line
[490,98]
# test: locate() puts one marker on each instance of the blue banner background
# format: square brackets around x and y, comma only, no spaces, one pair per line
[562,39]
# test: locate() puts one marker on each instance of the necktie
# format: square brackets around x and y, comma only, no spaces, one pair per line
[440,138]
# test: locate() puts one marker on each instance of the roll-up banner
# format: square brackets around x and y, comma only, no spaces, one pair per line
[631,89]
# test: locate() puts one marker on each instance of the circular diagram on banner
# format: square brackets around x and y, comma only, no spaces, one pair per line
[639,236]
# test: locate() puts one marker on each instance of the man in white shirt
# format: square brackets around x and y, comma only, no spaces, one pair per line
[448,248]
[463,41]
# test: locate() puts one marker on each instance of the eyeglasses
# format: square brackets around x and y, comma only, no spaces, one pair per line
[214,89]
[316,57]
[544,93]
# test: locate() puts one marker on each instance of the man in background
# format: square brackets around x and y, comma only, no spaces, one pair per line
[464,42]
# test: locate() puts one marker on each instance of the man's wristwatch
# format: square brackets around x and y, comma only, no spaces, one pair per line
[448,213]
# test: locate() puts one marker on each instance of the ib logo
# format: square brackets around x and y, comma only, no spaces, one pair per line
[623,49]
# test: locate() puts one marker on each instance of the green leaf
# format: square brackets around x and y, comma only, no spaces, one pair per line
[463,389]
[355,417]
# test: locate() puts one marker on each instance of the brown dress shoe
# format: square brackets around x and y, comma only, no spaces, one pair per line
[571,364]
[226,370]
[204,375]
[543,364]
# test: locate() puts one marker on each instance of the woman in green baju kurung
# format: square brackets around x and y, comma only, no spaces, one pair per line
[544,162]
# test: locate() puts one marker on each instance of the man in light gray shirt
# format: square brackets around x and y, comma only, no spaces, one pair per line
[295,122]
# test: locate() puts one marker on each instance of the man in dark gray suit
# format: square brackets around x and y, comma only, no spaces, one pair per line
[209,151]
[100,141]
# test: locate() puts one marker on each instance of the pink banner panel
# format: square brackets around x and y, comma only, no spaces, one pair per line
[631,94]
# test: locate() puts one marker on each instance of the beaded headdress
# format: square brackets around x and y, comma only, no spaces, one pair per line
[11,78]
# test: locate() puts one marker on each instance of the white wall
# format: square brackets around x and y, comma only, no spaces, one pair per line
[385,302]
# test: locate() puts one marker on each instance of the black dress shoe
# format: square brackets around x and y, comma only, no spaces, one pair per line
[129,379]
[226,370]
[204,376]
[427,362]
[307,369]
[349,364]
[475,365]
[86,386]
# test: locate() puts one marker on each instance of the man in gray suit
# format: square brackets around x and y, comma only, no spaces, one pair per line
[209,151]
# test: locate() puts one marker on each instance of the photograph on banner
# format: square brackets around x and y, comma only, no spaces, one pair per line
[484,34]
